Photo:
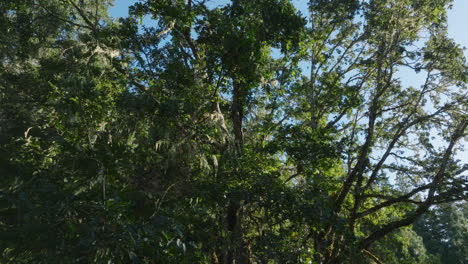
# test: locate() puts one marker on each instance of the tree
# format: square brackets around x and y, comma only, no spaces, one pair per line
[197,137]
[444,232]
[403,246]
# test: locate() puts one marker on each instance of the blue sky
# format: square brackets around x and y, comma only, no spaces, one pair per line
[458,17]
[458,23]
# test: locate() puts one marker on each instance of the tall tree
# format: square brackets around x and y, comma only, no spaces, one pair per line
[196,137]
[444,231]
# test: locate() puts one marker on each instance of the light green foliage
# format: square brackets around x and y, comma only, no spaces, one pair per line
[403,246]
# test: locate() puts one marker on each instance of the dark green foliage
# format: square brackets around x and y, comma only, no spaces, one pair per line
[444,232]
[198,138]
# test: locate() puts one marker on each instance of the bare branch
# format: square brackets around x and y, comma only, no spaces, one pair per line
[422,208]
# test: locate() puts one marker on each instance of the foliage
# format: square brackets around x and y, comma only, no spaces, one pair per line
[198,137]
[444,231]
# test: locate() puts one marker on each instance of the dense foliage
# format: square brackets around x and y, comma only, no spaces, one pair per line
[197,136]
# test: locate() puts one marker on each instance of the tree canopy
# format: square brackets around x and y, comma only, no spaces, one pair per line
[198,137]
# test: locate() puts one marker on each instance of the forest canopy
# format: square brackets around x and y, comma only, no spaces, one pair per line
[199,137]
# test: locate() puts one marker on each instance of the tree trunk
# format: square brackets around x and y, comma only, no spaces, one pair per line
[237,249]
